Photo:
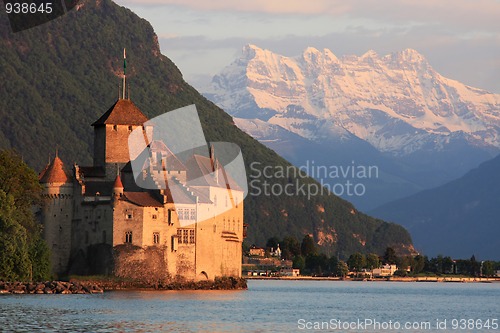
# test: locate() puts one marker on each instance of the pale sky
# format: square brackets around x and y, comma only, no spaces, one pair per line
[460,38]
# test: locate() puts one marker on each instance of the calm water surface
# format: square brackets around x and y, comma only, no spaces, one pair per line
[267,306]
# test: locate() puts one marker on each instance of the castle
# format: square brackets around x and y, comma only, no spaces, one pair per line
[92,213]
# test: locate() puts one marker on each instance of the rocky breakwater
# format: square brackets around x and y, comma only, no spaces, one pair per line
[49,287]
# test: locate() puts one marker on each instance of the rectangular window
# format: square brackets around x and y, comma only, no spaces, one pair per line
[128,237]
[174,243]
[179,235]
[185,238]
[193,214]
[154,216]
[191,237]
[129,216]
[156,238]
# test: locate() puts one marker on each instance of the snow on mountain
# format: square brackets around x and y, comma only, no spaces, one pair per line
[397,102]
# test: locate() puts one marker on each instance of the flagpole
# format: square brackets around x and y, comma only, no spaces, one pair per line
[124,71]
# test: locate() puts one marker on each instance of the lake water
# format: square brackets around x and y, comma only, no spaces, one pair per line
[267,306]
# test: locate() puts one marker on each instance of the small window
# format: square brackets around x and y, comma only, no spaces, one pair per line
[174,243]
[156,238]
[191,237]
[115,127]
[129,216]
[193,214]
[185,236]
[169,217]
[128,237]
[130,128]
[154,216]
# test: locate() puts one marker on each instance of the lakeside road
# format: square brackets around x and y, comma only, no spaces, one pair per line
[386,279]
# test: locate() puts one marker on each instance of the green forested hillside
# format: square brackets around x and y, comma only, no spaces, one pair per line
[56,79]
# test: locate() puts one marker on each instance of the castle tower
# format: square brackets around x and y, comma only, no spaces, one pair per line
[57,213]
[111,133]
[112,129]
[118,187]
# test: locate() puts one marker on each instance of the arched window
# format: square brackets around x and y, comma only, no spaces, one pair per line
[128,237]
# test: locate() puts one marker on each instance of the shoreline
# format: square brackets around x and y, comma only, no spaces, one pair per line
[386,279]
[99,286]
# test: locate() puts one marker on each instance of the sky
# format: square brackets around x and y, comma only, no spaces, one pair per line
[459,38]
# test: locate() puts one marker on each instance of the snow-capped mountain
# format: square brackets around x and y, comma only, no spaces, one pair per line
[394,111]
[397,102]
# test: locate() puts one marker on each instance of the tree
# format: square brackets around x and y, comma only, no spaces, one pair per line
[290,248]
[356,262]
[390,256]
[447,265]
[488,268]
[341,270]
[418,264]
[475,266]
[15,263]
[273,242]
[23,253]
[317,263]
[308,247]
[332,264]
[299,262]
[372,261]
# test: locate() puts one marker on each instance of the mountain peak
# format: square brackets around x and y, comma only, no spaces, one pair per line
[249,51]
[410,55]
[311,50]
[370,54]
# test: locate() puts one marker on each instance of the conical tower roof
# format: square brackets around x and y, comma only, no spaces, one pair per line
[118,182]
[54,173]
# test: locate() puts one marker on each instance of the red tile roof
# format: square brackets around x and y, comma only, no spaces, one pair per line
[54,173]
[143,199]
[123,112]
